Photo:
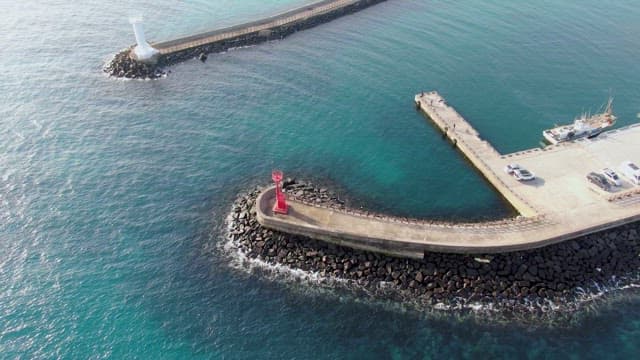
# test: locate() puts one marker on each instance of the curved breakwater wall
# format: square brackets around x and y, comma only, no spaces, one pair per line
[550,283]
[198,46]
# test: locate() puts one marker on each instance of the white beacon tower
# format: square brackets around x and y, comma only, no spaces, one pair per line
[143,52]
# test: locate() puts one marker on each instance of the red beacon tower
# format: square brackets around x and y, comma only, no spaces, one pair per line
[280,207]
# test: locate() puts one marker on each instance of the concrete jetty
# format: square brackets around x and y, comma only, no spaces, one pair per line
[558,205]
[199,45]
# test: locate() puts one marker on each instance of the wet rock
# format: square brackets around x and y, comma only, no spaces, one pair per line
[288,182]
[123,66]
[514,281]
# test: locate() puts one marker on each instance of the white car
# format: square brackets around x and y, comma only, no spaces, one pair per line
[631,170]
[611,176]
[522,174]
[509,169]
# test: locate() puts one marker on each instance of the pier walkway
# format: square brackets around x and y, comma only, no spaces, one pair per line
[127,64]
[558,205]
[265,25]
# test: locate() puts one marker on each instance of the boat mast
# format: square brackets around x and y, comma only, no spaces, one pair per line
[609,109]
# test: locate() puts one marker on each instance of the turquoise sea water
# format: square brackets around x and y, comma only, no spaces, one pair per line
[114,193]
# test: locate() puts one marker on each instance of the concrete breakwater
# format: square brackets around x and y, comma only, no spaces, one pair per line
[540,282]
[200,45]
[558,205]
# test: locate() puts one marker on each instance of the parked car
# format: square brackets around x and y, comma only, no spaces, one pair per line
[509,169]
[599,180]
[612,176]
[522,174]
[631,171]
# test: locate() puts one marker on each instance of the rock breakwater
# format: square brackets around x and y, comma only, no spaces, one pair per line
[556,279]
[200,45]
[123,66]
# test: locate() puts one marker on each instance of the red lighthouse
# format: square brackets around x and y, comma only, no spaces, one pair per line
[280,207]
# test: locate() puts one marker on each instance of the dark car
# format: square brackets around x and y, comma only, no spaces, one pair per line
[599,180]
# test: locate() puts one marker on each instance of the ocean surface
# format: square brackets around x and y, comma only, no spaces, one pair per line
[113,193]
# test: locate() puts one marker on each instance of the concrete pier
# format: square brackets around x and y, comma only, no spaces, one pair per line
[264,27]
[271,28]
[559,205]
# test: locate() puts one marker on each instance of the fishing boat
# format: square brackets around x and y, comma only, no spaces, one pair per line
[585,125]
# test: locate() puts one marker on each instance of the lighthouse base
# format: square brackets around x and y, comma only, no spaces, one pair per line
[145,54]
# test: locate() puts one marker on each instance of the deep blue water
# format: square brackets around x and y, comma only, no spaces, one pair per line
[114,193]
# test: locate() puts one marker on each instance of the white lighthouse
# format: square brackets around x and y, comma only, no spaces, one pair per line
[143,52]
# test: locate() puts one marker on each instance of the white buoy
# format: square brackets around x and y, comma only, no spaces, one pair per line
[143,51]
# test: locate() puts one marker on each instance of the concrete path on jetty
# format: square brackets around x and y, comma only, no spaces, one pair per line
[559,205]
[149,64]
[291,17]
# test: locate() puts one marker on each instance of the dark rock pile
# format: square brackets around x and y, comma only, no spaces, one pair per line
[535,281]
[123,66]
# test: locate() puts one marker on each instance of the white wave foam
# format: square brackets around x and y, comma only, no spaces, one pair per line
[613,287]
[240,260]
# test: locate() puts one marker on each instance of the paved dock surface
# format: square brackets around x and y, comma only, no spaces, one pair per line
[558,205]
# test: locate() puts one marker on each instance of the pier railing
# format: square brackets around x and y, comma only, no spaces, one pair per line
[518,223]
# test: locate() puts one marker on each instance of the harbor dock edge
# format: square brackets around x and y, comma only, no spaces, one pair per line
[558,205]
